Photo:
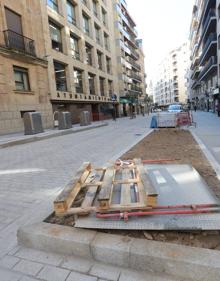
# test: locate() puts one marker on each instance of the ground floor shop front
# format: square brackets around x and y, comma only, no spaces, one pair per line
[98,111]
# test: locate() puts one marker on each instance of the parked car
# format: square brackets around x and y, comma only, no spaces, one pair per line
[175,108]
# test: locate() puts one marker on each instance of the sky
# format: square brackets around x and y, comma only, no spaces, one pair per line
[163,25]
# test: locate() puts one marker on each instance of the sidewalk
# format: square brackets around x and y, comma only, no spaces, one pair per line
[20,138]
[208,131]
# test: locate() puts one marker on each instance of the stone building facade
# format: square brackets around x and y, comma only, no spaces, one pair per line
[66,55]
[23,68]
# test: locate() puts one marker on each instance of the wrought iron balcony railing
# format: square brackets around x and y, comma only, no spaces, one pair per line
[16,41]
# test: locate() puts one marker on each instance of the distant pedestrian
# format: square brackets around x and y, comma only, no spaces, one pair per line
[189,107]
[114,112]
[195,107]
[218,109]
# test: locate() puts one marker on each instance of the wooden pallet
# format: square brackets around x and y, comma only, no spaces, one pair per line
[115,188]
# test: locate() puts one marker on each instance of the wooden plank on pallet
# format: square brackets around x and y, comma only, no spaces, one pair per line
[150,190]
[92,191]
[106,190]
[125,188]
[71,190]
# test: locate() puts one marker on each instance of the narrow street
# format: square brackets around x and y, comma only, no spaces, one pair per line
[32,174]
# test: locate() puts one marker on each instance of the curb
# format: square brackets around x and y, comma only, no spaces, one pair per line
[214,163]
[56,134]
[158,257]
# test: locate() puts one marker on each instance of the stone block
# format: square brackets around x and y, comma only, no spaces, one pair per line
[112,249]
[57,238]
[176,260]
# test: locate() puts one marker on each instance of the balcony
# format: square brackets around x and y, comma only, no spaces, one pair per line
[208,4]
[209,48]
[209,25]
[135,88]
[19,42]
[209,68]
[134,76]
[195,73]
[133,63]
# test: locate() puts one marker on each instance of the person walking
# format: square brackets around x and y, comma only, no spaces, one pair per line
[218,109]
[195,107]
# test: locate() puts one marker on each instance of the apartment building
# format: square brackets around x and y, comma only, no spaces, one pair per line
[79,42]
[170,83]
[203,84]
[23,68]
[130,57]
[67,55]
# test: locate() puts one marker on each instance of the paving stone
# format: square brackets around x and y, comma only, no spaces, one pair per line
[128,275]
[28,267]
[105,271]
[27,278]
[74,276]
[39,256]
[9,261]
[51,273]
[77,264]
[6,275]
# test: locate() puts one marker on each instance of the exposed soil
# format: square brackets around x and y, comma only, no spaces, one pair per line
[170,144]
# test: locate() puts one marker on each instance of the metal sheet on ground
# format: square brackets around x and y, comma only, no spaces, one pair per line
[176,184]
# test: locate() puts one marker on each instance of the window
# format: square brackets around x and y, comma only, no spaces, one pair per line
[108,65]
[21,79]
[110,87]
[88,54]
[97,34]
[53,4]
[60,76]
[95,8]
[86,24]
[74,45]
[106,39]
[85,2]
[71,15]
[56,38]
[91,84]
[104,17]
[14,22]
[219,11]
[102,86]
[99,55]
[77,73]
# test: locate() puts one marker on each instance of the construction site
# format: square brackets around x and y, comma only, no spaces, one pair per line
[162,189]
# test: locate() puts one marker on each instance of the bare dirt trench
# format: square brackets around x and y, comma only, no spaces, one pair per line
[171,144]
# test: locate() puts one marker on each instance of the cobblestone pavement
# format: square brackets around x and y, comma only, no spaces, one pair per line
[32,174]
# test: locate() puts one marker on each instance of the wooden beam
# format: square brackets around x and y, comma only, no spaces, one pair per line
[150,190]
[65,199]
[106,190]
